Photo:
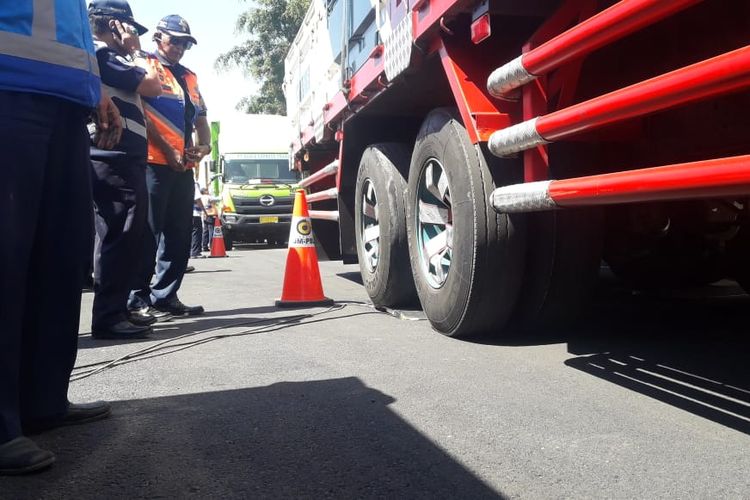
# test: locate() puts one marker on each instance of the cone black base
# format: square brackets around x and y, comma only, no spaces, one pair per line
[293,304]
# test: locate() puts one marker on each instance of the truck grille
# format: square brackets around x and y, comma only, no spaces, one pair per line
[252,206]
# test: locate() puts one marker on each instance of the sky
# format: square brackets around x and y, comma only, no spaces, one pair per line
[212,24]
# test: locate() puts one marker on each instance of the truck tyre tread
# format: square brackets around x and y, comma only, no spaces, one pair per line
[390,284]
[480,290]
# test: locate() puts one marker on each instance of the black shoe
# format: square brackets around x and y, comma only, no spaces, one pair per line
[177,308]
[189,269]
[22,456]
[161,316]
[122,331]
[81,413]
[141,317]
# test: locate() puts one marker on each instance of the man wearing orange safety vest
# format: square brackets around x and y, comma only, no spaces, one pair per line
[171,157]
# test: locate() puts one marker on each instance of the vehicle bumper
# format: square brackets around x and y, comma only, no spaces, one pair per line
[242,227]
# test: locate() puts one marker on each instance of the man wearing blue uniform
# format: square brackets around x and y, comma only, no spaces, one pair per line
[171,156]
[49,85]
[119,182]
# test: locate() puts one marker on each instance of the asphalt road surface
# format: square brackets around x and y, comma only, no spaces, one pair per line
[647,397]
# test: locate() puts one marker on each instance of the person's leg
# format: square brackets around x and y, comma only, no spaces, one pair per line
[159,181]
[205,240]
[120,198]
[197,236]
[60,258]
[26,123]
[174,246]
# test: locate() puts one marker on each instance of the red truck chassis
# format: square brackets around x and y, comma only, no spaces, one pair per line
[630,113]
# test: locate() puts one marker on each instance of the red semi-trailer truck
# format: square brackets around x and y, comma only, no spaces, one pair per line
[487,156]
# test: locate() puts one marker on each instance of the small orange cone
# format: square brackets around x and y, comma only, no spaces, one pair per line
[217,242]
[302,286]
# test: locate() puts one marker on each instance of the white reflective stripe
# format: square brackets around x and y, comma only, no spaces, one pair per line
[134,126]
[163,119]
[128,97]
[528,197]
[44,24]
[47,51]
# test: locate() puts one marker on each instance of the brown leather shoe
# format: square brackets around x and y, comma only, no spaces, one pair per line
[22,456]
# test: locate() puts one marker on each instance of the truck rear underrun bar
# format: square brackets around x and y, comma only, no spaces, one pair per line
[720,75]
[328,194]
[717,178]
[324,214]
[329,169]
[618,21]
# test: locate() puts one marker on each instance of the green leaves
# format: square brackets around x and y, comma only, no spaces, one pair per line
[270,27]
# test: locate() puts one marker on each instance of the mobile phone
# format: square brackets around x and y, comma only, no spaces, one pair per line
[114,30]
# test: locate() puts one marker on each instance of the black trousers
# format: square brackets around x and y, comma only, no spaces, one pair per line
[165,256]
[121,208]
[44,255]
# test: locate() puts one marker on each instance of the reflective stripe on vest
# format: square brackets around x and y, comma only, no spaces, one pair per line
[51,52]
[167,112]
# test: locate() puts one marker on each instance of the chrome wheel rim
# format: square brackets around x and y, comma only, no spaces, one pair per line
[370,226]
[434,223]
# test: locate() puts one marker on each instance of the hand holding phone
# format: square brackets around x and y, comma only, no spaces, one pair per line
[125,35]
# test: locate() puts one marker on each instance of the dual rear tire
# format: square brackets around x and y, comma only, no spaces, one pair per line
[426,226]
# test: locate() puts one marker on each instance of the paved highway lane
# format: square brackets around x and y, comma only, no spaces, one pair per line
[647,397]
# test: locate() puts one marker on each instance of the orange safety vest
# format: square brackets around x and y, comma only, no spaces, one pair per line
[167,111]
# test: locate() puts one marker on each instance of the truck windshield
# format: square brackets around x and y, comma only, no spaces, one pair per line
[248,171]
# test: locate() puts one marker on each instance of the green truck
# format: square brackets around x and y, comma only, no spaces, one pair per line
[257,187]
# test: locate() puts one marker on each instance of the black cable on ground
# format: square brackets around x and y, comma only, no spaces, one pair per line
[140,354]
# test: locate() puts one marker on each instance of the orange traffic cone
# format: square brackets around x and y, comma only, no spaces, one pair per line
[217,242]
[302,287]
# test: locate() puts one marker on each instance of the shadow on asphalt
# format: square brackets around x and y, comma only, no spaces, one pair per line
[322,439]
[687,349]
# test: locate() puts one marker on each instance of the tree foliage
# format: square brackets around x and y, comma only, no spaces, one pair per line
[271,26]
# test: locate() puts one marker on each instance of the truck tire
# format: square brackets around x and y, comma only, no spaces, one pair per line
[380,225]
[562,267]
[467,259]
[228,241]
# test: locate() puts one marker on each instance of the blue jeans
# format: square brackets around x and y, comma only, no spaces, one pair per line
[45,253]
[170,218]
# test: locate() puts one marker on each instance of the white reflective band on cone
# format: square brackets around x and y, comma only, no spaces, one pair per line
[300,234]
[528,197]
[516,138]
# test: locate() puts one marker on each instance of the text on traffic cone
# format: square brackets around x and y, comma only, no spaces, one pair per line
[302,285]
[217,242]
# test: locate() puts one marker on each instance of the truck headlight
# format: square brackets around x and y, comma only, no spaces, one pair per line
[230,218]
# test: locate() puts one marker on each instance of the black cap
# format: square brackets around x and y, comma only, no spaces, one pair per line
[119,9]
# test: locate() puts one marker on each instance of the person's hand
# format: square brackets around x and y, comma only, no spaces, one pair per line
[108,123]
[196,153]
[128,36]
[175,160]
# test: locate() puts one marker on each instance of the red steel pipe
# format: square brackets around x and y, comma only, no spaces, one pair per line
[723,74]
[720,75]
[618,21]
[609,25]
[703,179]
[717,178]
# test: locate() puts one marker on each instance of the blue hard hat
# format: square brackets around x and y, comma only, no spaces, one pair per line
[176,26]
[119,9]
